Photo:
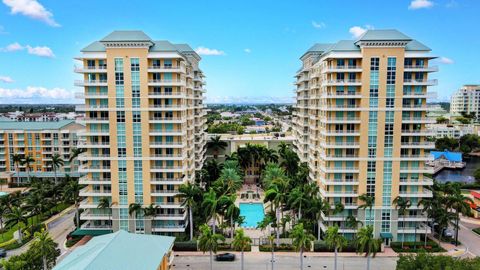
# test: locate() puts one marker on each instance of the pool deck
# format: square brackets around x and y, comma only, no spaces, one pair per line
[252,232]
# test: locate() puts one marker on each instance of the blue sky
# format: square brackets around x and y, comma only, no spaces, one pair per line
[254,46]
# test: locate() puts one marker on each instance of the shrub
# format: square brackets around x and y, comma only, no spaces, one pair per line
[185,246]
[410,247]
[282,247]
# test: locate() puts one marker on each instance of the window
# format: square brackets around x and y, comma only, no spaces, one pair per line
[136,117]
[374,63]
[134,64]
[120,117]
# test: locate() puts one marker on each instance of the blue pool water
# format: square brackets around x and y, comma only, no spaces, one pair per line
[3,193]
[253,213]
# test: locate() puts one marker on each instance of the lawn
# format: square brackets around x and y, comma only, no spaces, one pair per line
[8,235]
[476,230]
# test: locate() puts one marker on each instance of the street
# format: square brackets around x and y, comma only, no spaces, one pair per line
[469,239]
[58,230]
[261,260]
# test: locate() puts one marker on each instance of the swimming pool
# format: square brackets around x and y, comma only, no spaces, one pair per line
[3,193]
[253,213]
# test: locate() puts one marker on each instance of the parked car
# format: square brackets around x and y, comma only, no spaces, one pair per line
[225,257]
[447,233]
[3,253]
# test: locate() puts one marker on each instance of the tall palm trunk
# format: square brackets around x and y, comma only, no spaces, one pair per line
[19,232]
[318,232]
[301,259]
[28,174]
[213,225]
[77,214]
[368,262]
[55,174]
[44,259]
[231,227]
[18,176]
[211,260]
[426,232]
[403,234]
[457,228]
[243,266]
[335,263]
[190,217]
[300,212]
[273,257]
[276,228]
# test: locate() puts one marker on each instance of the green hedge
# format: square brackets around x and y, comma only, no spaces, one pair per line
[409,247]
[282,247]
[228,247]
[321,246]
[476,230]
[185,246]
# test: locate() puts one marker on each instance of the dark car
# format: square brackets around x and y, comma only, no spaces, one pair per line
[3,253]
[225,257]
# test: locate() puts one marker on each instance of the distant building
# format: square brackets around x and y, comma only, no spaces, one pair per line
[229,115]
[466,99]
[258,121]
[452,131]
[435,111]
[39,140]
[121,250]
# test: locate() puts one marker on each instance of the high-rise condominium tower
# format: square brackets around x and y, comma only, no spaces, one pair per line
[466,99]
[360,122]
[144,130]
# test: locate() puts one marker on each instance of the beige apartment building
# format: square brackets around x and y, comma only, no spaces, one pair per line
[144,130]
[359,123]
[40,141]
[466,99]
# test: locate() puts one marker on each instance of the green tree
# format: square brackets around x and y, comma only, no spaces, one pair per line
[104,204]
[208,241]
[216,144]
[367,244]
[17,160]
[335,240]
[461,205]
[189,193]
[27,161]
[210,205]
[241,242]
[71,194]
[55,163]
[297,199]
[368,202]
[134,209]
[446,143]
[427,261]
[402,205]
[44,244]
[442,120]
[74,154]
[301,240]
[17,216]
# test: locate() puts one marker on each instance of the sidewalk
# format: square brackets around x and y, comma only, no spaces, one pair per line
[470,220]
[387,253]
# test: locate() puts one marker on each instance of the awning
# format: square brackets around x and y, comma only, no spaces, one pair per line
[82,232]
[386,235]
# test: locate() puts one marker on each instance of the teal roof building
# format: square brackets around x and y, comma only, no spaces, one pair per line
[121,251]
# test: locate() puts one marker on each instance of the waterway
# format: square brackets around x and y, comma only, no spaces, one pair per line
[465,175]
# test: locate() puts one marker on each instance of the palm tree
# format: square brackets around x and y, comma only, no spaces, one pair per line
[189,192]
[74,155]
[71,193]
[35,203]
[301,240]
[428,208]
[45,245]
[230,180]
[297,199]
[134,209]
[368,203]
[17,160]
[366,243]
[55,163]
[27,160]
[352,222]
[461,205]
[210,205]
[321,206]
[208,241]
[402,205]
[3,212]
[241,242]
[216,144]
[231,211]
[150,211]
[272,247]
[104,203]
[17,216]
[335,240]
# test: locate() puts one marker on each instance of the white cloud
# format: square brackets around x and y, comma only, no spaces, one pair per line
[35,92]
[247,50]
[6,79]
[31,9]
[318,24]
[357,31]
[418,4]
[445,60]
[42,51]
[206,51]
